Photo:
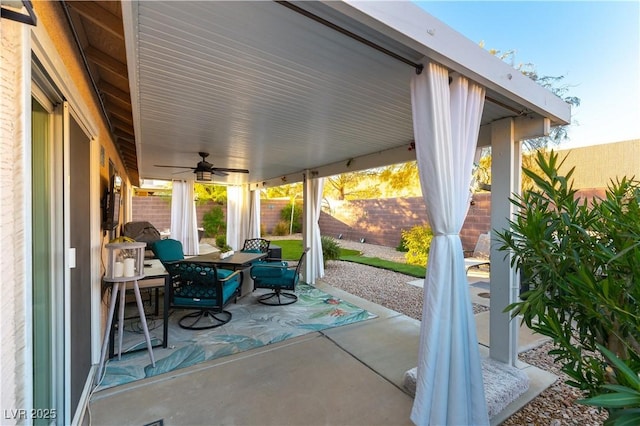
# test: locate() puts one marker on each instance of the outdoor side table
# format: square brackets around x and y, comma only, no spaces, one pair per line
[120,285]
[133,256]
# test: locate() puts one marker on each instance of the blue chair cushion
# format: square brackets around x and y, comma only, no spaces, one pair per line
[224,273]
[205,296]
[269,269]
[168,250]
[287,279]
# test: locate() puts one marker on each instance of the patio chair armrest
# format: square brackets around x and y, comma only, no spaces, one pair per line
[234,274]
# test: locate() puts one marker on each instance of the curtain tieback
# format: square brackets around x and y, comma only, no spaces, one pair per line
[445,235]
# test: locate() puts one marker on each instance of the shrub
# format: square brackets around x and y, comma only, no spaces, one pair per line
[417,240]
[214,222]
[330,249]
[285,215]
[582,263]
[281,228]
[402,247]
[221,241]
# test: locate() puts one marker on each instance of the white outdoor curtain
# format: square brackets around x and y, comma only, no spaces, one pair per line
[254,214]
[446,120]
[184,222]
[237,216]
[315,261]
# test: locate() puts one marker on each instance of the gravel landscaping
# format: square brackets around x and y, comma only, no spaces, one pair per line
[555,406]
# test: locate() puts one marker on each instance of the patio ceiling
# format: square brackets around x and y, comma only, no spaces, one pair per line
[259,86]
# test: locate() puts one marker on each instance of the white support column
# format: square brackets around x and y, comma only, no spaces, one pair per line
[505,172]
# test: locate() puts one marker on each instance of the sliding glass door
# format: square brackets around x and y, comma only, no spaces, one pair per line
[44,284]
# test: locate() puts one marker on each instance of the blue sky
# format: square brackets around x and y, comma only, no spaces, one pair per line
[594,45]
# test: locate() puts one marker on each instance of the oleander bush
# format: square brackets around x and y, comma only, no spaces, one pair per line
[581,260]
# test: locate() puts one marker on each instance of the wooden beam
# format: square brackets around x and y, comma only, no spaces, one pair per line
[105,61]
[121,113]
[119,124]
[115,93]
[121,134]
[93,12]
[127,147]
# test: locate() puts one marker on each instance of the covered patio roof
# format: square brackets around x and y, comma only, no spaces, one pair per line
[263,86]
[288,90]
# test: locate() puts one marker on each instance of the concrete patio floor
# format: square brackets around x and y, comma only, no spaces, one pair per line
[350,375]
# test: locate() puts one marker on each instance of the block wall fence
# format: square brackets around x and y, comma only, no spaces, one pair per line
[378,221]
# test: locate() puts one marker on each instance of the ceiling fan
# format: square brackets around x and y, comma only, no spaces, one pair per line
[205,170]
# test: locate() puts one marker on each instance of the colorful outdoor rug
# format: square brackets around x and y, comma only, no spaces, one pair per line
[253,325]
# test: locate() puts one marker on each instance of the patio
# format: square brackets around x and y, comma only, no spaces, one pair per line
[107,92]
[326,377]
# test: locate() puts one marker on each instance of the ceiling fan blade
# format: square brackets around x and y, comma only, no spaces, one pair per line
[219,172]
[224,169]
[174,167]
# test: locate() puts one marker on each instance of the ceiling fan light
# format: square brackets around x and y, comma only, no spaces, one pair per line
[203,175]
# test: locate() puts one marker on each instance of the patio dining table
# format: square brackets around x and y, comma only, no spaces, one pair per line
[237,261]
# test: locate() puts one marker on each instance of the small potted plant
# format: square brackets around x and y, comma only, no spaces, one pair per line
[225,251]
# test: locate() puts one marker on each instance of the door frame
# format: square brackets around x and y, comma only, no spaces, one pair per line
[48,70]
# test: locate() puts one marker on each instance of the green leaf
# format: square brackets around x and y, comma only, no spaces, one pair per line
[612,400]
[621,367]
[627,418]
[622,389]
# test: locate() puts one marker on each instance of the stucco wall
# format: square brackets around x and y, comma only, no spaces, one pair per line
[596,165]
[14,351]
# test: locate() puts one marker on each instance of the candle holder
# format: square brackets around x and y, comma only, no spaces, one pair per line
[125,261]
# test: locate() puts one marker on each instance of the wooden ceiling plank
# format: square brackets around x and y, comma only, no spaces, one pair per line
[128,149]
[105,61]
[99,16]
[124,135]
[119,124]
[121,113]
[114,92]
[116,102]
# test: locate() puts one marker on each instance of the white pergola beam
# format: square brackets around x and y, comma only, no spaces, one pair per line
[400,154]
[524,128]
